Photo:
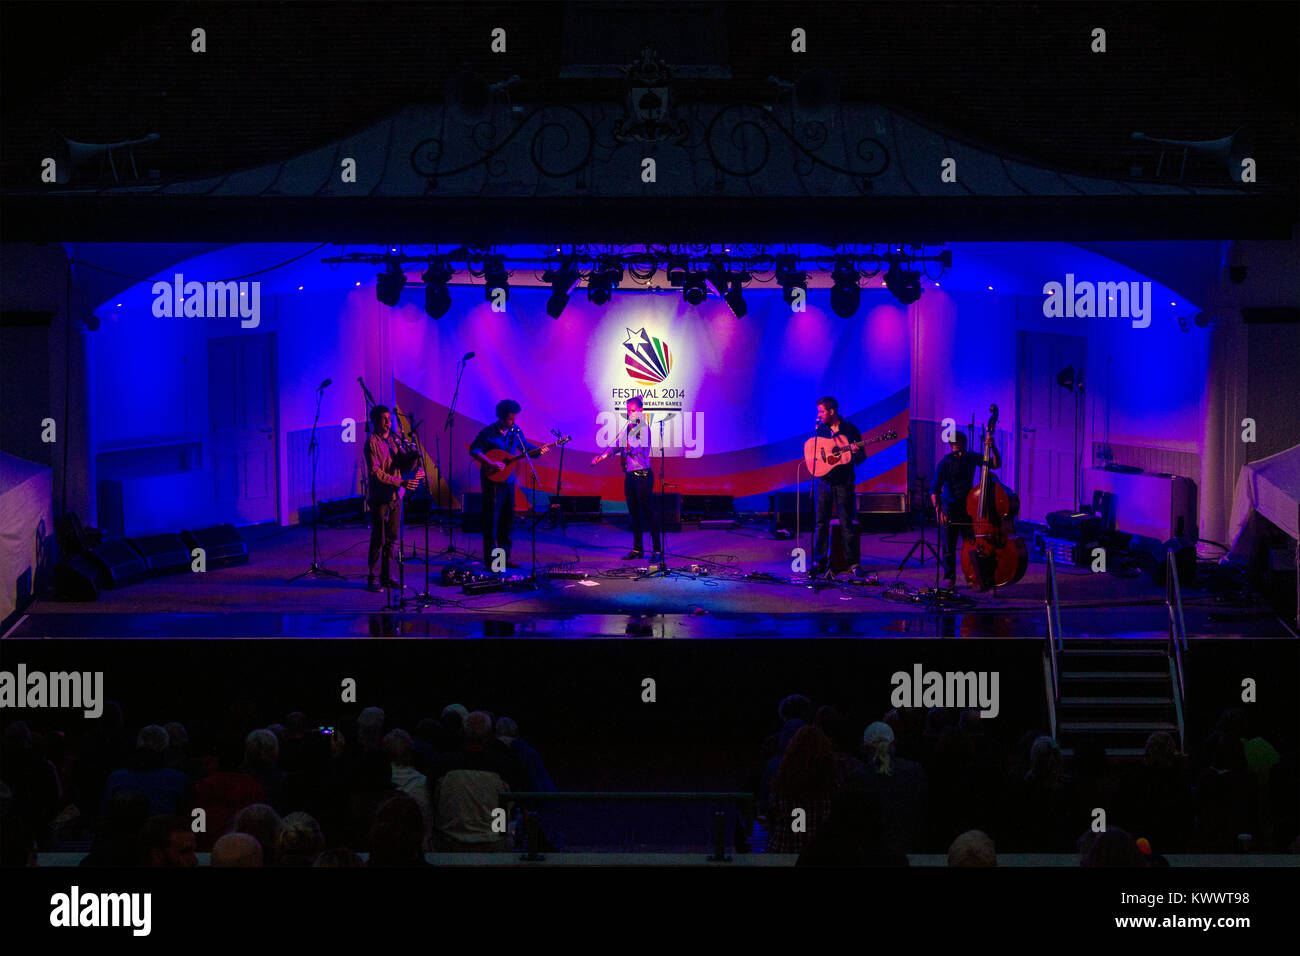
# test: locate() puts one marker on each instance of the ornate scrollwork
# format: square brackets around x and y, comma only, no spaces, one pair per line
[427,155]
[872,152]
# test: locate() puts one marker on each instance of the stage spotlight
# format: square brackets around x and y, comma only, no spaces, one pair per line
[735,296]
[905,284]
[495,277]
[719,278]
[789,279]
[604,280]
[562,282]
[389,284]
[1070,379]
[846,294]
[437,298]
[693,290]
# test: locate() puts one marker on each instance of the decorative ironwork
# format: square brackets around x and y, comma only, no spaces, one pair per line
[871,151]
[543,148]
[648,108]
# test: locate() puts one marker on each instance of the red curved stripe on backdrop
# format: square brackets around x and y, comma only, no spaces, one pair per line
[708,474]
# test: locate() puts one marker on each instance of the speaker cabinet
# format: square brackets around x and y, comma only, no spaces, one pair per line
[222,545]
[783,506]
[119,564]
[76,579]
[670,509]
[162,553]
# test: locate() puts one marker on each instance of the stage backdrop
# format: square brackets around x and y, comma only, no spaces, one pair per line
[736,398]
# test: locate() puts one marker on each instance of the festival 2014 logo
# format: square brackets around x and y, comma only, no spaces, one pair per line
[648,359]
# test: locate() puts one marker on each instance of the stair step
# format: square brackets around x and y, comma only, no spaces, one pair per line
[1123,753]
[1115,726]
[1116,651]
[1117,702]
[1114,675]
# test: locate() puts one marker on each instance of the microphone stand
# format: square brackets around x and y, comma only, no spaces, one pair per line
[921,543]
[661,571]
[449,426]
[812,532]
[559,483]
[316,566]
[533,468]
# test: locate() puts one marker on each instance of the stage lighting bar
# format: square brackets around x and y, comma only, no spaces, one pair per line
[846,294]
[563,281]
[390,283]
[437,297]
[604,280]
[495,277]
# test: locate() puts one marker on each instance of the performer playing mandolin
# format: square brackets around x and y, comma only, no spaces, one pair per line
[953,480]
[503,435]
[835,486]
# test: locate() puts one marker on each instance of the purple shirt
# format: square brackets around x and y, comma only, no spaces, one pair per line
[636,447]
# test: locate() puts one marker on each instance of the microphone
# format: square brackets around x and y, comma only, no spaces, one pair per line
[467,356]
[325,384]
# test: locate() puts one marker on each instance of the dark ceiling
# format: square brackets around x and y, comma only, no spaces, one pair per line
[281,78]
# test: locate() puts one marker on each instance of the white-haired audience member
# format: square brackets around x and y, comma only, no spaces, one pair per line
[398,745]
[260,821]
[237,849]
[973,848]
[465,791]
[301,840]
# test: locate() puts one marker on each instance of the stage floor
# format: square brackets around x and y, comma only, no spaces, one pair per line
[715,599]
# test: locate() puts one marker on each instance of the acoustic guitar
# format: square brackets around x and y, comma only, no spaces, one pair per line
[510,461]
[823,454]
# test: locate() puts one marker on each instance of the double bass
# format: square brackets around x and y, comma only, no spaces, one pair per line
[992,557]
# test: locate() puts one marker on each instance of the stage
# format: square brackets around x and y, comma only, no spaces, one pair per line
[725,583]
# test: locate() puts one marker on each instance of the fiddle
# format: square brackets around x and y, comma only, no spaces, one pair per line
[993,556]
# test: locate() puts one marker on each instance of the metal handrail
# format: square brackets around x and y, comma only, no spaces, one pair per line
[1177,637]
[1053,625]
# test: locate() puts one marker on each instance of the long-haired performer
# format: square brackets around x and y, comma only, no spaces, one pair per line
[638,479]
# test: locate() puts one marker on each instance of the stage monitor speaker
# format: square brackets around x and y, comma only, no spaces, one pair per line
[577,507]
[222,545]
[76,579]
[1153,557]
[672,513]
[708,507]
[119,564]
[351,508]
[782,505]
[883,510]
[162,553]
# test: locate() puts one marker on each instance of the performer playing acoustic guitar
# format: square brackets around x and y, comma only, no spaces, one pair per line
[835,487]
[502,436]
[386,460]
[953,480]
[638,480]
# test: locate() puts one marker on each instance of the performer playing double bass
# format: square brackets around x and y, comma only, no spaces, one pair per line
[503,435]
[953,480]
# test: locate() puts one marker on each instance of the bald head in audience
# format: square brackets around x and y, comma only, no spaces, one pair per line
[237,849]
[973,848]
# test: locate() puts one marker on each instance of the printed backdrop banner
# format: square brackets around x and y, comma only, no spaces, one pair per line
[730,401]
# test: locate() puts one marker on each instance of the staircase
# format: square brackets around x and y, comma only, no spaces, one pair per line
[1120,691]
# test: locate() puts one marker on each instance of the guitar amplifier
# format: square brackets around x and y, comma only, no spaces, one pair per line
[671,510]
[1065,552]
[1074,525]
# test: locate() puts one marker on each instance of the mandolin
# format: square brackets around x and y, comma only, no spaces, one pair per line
[992,557]
[509,460]
[823,454]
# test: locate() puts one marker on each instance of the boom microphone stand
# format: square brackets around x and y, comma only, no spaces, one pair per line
[313,449]
[921,543]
